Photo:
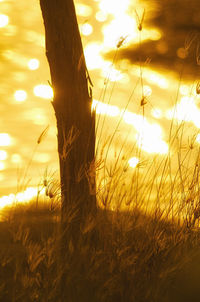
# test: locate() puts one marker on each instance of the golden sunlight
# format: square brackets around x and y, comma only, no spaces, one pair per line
[122,24]
[157,113]
[43,91]
[33,64]
[147,90]
[133,162]
[114,7]
[83,10]
[3,155]
[20,95]
[111,73]
[125,26]
[152,143]
[36,115]
[2,166]
[184,90]
[5,139]
[92,55]
[16,158]
[4,20]
[25,196]
[42,157]
[106,109]
[149,136]
[86,29]
[186,110]
[158,80]
[101,16]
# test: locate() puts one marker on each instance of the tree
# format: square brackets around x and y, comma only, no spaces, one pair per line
[75,120]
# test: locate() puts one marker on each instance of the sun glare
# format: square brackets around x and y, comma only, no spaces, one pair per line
[83,10]
[42,157]
[149,136]
[4,20]
[92,55]
[43,91]
[101,16]
[133,162]
[102,108]
[33,64]
[125,26]
[108,71]
[86,29]
[25,196]
[3,155]
[147,90]
[157,113]
[186,110]
[5,139]
[2,166]
[20,95]
[184,90]
[114,7]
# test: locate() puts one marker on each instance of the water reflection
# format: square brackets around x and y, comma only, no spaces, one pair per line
[5,139]
[3,155]
[103,24]
[43,91]
[20,95]
[178,46]
[4,20]
[33,64]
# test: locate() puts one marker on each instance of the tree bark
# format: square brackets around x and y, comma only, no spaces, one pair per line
[75,121]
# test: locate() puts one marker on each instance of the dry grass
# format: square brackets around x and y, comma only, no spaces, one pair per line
[130,255]
[142,244]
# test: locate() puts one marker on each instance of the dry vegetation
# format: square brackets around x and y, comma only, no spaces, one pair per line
[138,254]
[142,245]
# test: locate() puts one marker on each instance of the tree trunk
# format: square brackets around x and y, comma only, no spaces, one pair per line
[75,121]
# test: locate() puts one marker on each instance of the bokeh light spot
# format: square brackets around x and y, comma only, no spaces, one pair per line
[101,16]
[124,26]
[2,166]
[133,162]
[86,29]
[83,10]
[5,139]
[16,158]
[3,155]
[4,20]
[157,113]
[92,55]
[114,7]
[20,95]
[43,91]
[184,90]
[198,138]
[147,90]
[106,109]
[33,64]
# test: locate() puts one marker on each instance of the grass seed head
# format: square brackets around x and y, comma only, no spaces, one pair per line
[42,135]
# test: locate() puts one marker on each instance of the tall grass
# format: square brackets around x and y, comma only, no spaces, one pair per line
[146,235]
[142,244]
